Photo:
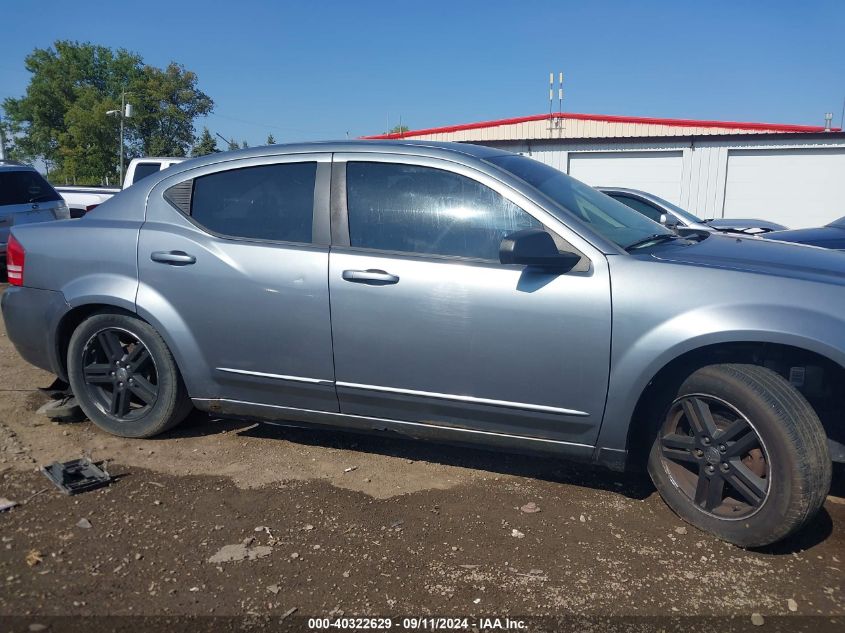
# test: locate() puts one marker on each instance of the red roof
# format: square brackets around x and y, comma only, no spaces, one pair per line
[733,125]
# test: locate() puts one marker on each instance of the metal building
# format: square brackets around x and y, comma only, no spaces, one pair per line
[790,174]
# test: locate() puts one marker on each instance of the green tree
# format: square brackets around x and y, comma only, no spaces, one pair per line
[398,129]
[271,140]
[166,104]
[206,144]
[62,118]
[233,145]
[244,144]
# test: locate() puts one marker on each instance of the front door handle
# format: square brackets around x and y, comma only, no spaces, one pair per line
[371,277]
[174,258]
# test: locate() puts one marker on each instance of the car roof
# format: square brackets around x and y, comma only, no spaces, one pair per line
[428,148]
[13,165]
[638,192]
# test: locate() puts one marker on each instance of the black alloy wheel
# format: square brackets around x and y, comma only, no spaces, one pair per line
[120,374]
[715,457]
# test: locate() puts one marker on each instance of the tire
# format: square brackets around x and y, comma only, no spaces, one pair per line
[150,383]
[762,450]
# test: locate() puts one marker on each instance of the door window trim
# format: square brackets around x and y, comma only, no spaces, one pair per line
[340,207]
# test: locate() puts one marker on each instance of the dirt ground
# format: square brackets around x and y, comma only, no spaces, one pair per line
[334,524]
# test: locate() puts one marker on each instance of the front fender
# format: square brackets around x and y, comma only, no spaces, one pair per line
[637,362]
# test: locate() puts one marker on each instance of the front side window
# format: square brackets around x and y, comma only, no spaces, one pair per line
[638,205]
[269,202]
[413,209]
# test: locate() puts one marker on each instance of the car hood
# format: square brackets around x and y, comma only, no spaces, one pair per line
[743,224]
[816,235]
[757,255]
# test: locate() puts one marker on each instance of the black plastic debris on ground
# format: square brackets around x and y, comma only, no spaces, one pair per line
[77,475]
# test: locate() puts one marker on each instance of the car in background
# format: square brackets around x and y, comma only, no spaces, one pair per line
[828,236]
[663,211]
[25,198]
[452,292]
[81,200]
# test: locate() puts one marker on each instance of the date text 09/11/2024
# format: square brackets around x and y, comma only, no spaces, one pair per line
[423,624]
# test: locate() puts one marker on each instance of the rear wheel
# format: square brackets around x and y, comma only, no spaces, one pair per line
[740,453]
[124,376]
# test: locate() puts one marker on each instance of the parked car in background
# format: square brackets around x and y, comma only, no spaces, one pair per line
[828,236]
[25,198]
[451,292]
[81,200]
[655,208]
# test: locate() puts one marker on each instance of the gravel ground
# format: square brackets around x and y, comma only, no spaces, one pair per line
[229,518]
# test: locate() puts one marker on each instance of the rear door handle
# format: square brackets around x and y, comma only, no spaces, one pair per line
[174,258]
[371,277]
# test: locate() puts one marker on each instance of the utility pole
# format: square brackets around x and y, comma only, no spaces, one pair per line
[2,141]
[124,113]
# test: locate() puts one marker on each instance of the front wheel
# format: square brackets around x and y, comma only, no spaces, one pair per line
[124,376]
[741,454]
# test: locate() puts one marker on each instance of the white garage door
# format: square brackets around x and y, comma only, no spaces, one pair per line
[797,188]
[656,172]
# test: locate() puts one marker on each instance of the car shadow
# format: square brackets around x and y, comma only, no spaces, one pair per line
[633,485]
[815,532]
[536,466]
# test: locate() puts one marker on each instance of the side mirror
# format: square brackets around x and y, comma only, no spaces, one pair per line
[535,247]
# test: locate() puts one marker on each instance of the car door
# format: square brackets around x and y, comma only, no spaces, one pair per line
[233,263]
[428,326]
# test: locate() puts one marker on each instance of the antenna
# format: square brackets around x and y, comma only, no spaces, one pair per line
[842,120]
[560,93]
[555,122]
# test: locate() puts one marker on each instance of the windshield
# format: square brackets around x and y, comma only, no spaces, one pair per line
[24,186]
[613,220]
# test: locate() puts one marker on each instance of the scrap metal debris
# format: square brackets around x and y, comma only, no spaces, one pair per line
[63,406]
[77,475]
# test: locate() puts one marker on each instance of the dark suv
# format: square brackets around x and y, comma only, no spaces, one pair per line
[25,197]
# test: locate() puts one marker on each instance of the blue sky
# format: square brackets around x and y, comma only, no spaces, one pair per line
[317,70]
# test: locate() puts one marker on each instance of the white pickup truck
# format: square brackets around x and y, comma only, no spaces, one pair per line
[80,200]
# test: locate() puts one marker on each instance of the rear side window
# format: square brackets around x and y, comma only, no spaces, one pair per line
[142,170]
[412,209]
[24,187]
[270,202]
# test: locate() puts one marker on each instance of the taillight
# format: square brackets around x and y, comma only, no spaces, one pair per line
[14,261]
